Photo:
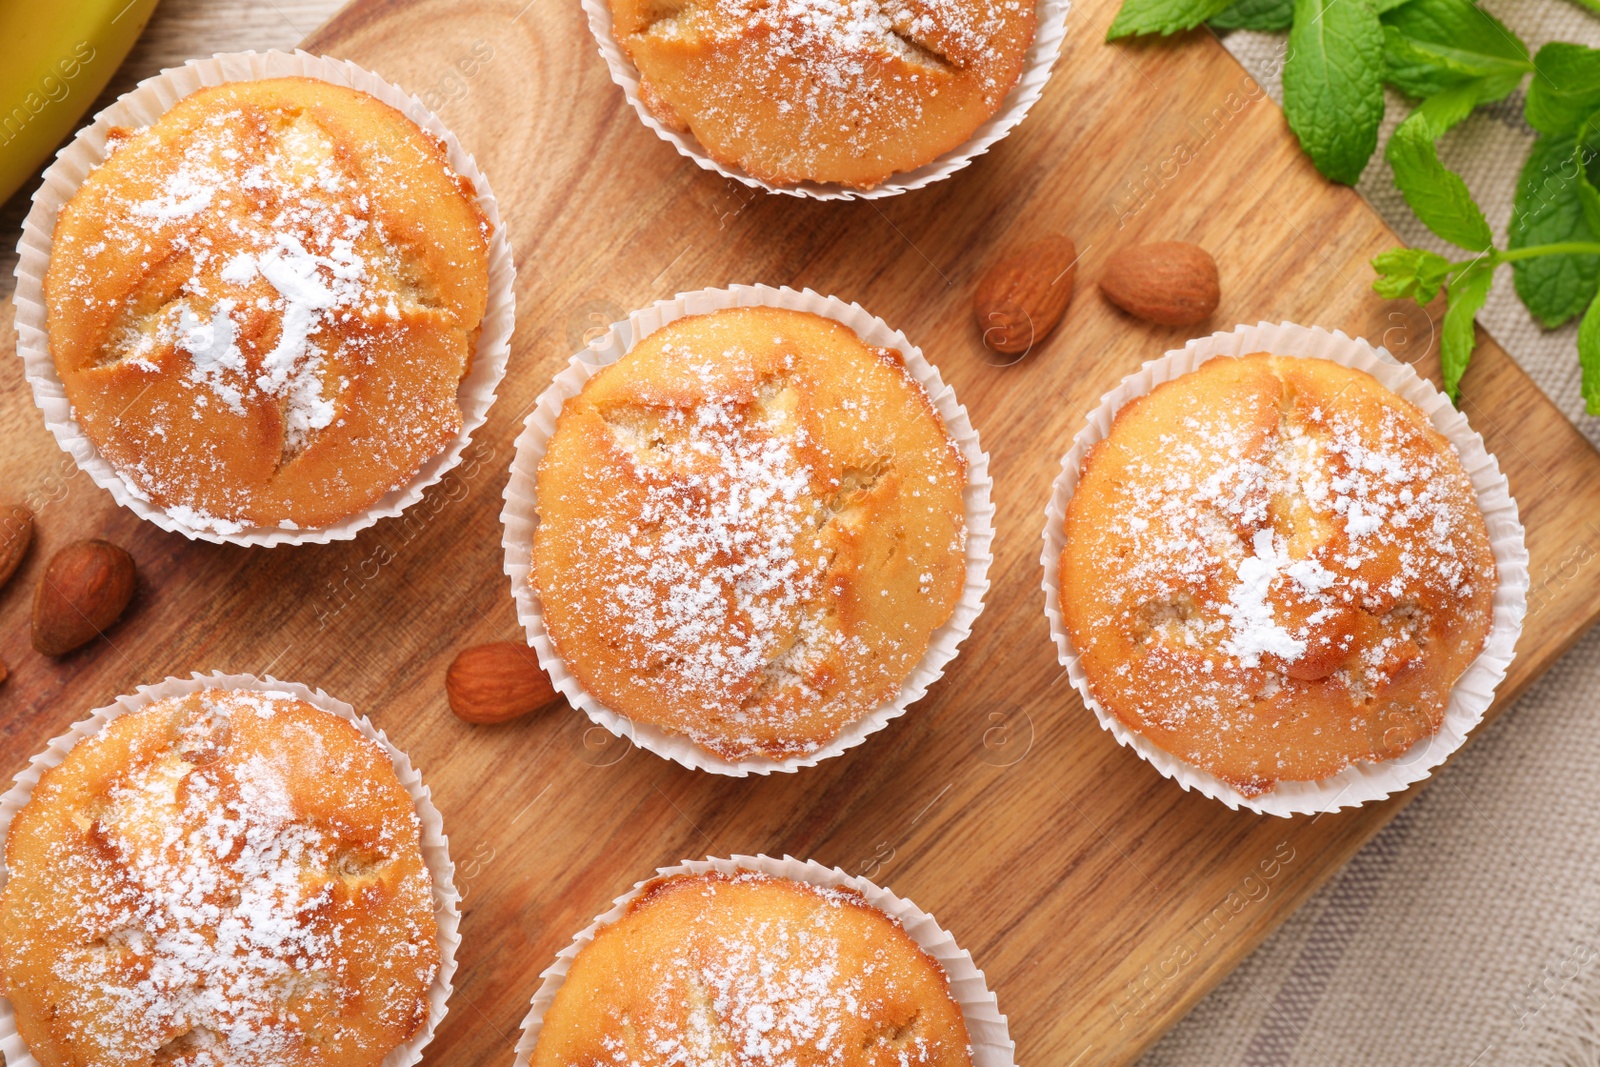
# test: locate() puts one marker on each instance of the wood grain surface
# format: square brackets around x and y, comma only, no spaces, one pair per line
[1101,900]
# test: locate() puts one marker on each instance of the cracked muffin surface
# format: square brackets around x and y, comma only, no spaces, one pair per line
[1275,567]
[846,91]
[223,878]
[749,527]
[750,969]
[263,304]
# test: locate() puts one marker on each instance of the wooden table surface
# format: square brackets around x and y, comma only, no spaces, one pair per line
[1101,900]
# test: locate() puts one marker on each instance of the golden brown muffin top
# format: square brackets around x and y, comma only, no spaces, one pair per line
[748,528]
[748,969]
[848,91]
[226,877]
[1274,567]
[262,305]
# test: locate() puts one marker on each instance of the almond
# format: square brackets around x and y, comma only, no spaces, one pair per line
[496,683]
[1021,298]
[84,590]
[1169,282]
[16,534]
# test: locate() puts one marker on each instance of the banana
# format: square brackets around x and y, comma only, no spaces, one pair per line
[54,60]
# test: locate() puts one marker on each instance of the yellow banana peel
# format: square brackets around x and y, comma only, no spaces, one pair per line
[55,57]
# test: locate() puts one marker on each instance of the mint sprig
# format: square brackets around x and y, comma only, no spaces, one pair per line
[1453,57]
[1419,275]
[1553,242]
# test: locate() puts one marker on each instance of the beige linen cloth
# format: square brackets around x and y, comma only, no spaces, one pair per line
[1468,931]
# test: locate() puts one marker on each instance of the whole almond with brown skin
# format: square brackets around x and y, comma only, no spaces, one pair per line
[496,683]
[16,534]
[1021,297]
[85,589]
[1169,282]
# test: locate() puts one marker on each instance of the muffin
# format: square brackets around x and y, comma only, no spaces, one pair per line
[226,877]
[793,91]
[262,305]
[748,529]
[752,969]
[1275,567]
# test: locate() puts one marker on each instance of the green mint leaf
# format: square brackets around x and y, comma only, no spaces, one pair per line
[1333,84]
[1565,89]
[1437,194]
[1466,294]
[1409,272]
[1390,5]
[1589,356]
[1586,161]
[1548,209]
[1431,45]
[1256,15]
[1445,109]
[1162,16]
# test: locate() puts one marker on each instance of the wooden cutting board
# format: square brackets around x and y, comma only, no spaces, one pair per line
[1101,899]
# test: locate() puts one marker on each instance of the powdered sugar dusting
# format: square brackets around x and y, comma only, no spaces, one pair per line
[727,550]
[1254,630]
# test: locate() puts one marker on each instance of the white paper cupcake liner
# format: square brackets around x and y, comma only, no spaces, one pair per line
[520,517]
[435,846]
[145,103]
[1048,36]
[1361,782]
[987,1029]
